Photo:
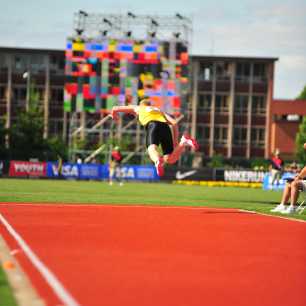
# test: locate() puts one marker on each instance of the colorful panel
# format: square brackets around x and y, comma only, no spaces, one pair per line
[101,74]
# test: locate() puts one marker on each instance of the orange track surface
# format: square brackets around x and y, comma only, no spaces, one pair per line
[159,256]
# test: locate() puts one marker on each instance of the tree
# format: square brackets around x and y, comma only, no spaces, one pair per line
[302,95]
[26,135]
[300,140]
[3,133]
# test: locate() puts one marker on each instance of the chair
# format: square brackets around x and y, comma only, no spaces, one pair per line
[302,204]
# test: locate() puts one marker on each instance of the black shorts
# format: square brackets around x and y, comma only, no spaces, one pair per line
[159,133]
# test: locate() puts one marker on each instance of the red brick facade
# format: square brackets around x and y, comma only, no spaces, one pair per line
[283,128]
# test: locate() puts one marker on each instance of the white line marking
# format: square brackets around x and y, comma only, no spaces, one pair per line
[273,216]
[51,279]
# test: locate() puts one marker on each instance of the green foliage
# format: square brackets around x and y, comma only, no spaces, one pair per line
[217,161]
[259,164]
[3,132]
[57,148]
[300,140]
[302,95]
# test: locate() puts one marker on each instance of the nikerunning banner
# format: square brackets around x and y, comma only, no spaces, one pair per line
[100,172]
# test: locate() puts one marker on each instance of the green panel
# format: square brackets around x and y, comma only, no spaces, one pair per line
[80,103]
[111,101]
[67,106]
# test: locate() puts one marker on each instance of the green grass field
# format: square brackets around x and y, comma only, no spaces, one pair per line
[87,192]
[84,192]
[6,296]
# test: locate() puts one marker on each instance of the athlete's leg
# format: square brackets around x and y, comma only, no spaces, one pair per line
[157,159]
[153,153]
[175,155]
[179,149]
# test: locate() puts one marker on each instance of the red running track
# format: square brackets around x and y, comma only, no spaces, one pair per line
[159,256]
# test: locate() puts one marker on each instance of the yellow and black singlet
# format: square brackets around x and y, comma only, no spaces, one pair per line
[147,114]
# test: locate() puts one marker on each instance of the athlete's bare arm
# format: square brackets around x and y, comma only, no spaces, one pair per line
[122,109]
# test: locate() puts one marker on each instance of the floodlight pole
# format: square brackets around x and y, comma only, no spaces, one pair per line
[27,76]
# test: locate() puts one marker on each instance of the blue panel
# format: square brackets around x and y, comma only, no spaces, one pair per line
[125,48]
[151,48]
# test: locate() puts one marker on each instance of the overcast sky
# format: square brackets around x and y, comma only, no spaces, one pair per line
[263,28]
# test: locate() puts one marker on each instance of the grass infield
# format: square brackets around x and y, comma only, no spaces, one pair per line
[6,296]
[92,192]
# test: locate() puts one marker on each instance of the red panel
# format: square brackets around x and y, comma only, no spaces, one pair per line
[71,88]
[115,90]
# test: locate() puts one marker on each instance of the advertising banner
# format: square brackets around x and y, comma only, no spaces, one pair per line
[141,173]
[244,176]
[100,172]
[267,182]
[25,169]
[68,170]
[183,173]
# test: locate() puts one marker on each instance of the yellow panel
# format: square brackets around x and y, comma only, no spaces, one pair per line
[78,47]
[137,48]
[111,48]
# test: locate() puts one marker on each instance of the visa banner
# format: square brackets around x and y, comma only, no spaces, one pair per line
[138,173]
[100,172]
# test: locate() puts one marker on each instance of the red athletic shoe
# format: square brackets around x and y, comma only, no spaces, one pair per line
[189,141]
[159,165]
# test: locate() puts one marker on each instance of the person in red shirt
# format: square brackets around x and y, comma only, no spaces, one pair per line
[276,168]
[115,166]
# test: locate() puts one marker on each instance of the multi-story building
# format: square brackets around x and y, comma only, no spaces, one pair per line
[231,101]
[230,98]
[23,69]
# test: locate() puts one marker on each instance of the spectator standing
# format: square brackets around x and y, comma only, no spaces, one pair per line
[115,166]
[276,168]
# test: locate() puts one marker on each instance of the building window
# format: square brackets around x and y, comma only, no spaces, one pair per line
[203,133]
[241,104]
[3,62]
[2,92]
[221,104]
[21,63]
[220,135]
[240,135]
[243,71]
[57,64]
[260,72]
[222,71]
[37,63]
[259,105]
[206,72]
[258,137]
[204,102]
[57,95]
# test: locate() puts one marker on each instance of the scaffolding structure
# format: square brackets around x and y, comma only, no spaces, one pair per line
[98,27]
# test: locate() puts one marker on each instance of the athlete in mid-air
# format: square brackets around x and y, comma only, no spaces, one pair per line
[158,132]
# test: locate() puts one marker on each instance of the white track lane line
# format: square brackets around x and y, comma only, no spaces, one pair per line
[273,216]
[50,278]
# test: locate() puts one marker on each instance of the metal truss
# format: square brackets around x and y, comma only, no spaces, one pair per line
[137,27]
